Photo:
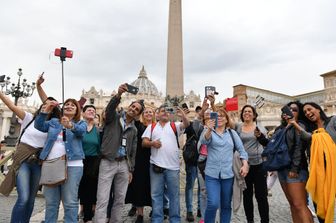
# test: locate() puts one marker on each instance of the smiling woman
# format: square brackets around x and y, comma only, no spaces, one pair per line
[64,139]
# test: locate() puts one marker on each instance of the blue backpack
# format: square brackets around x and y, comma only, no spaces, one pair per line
[275,155]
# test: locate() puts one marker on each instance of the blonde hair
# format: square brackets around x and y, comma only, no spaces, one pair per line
[223,112]
[142,118]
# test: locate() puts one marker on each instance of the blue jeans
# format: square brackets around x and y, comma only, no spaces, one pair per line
[191,175]
[219,195]
[171,178]
[27,184]
[68,193]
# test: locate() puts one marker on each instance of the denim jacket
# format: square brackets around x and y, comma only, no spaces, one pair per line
[73,144]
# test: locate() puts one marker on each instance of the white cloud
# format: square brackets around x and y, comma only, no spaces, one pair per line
[277,45]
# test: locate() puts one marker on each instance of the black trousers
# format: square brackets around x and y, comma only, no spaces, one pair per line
[88,186]
[256,181]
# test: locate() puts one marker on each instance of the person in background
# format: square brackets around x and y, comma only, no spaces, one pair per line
[65,135]
[256,177]
[272,176]
[193,131]
[91,147]
[138,192]
[218,171]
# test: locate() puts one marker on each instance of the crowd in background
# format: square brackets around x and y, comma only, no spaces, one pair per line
[133,156]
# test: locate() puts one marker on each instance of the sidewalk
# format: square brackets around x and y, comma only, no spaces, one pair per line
[279,209]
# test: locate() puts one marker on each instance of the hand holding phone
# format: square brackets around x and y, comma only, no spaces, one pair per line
[214,116]
[286,111]
[40,79]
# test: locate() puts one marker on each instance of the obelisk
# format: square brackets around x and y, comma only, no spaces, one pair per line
[174,85]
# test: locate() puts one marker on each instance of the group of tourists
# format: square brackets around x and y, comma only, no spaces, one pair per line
[133,156]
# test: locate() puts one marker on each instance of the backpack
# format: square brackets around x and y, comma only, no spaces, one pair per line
[275,155]
[173,126]
[190,152]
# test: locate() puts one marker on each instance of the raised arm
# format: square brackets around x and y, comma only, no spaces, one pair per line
[110,111]
[43,96]
[185,121]
[17,110]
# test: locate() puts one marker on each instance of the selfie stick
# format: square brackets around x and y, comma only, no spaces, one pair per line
[258,104]
[62,57]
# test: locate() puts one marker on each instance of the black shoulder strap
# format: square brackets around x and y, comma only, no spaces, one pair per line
[24,129]
[234,142]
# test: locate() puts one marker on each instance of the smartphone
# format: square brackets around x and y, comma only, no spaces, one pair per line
[132,89]
[63,52]
[184,105]
[170,110]
[2,78]
[286,110]
[209,90]
[214,115]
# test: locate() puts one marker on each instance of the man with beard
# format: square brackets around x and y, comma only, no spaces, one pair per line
[118,151]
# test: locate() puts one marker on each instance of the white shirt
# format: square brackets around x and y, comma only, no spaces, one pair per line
[31,136]
[58,150]
[167,156]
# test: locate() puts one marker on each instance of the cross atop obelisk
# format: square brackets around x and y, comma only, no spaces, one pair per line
[174,85]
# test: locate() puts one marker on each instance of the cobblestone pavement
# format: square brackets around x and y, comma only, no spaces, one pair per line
[279,209]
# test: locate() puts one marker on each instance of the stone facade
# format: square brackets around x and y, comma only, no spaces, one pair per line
[269,114]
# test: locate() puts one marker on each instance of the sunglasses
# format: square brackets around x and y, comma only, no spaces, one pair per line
[294,109]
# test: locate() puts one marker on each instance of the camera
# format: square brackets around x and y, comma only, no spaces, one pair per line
[286,110]
[185,106]
[132,89]
[210,90]
[170,110]
[63,52]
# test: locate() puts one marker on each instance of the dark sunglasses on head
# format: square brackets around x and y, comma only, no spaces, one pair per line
[294,109]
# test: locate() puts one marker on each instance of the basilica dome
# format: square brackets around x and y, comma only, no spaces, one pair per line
[146,87]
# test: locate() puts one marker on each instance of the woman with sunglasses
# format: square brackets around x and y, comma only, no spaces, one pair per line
[293,179]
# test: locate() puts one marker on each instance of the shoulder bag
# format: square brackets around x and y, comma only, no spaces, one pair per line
[54,172]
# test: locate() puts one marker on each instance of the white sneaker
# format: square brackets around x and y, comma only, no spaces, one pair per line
[312,212]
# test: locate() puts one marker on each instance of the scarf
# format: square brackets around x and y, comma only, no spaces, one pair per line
[321,183]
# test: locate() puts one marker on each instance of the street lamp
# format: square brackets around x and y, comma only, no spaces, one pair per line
[21,89]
